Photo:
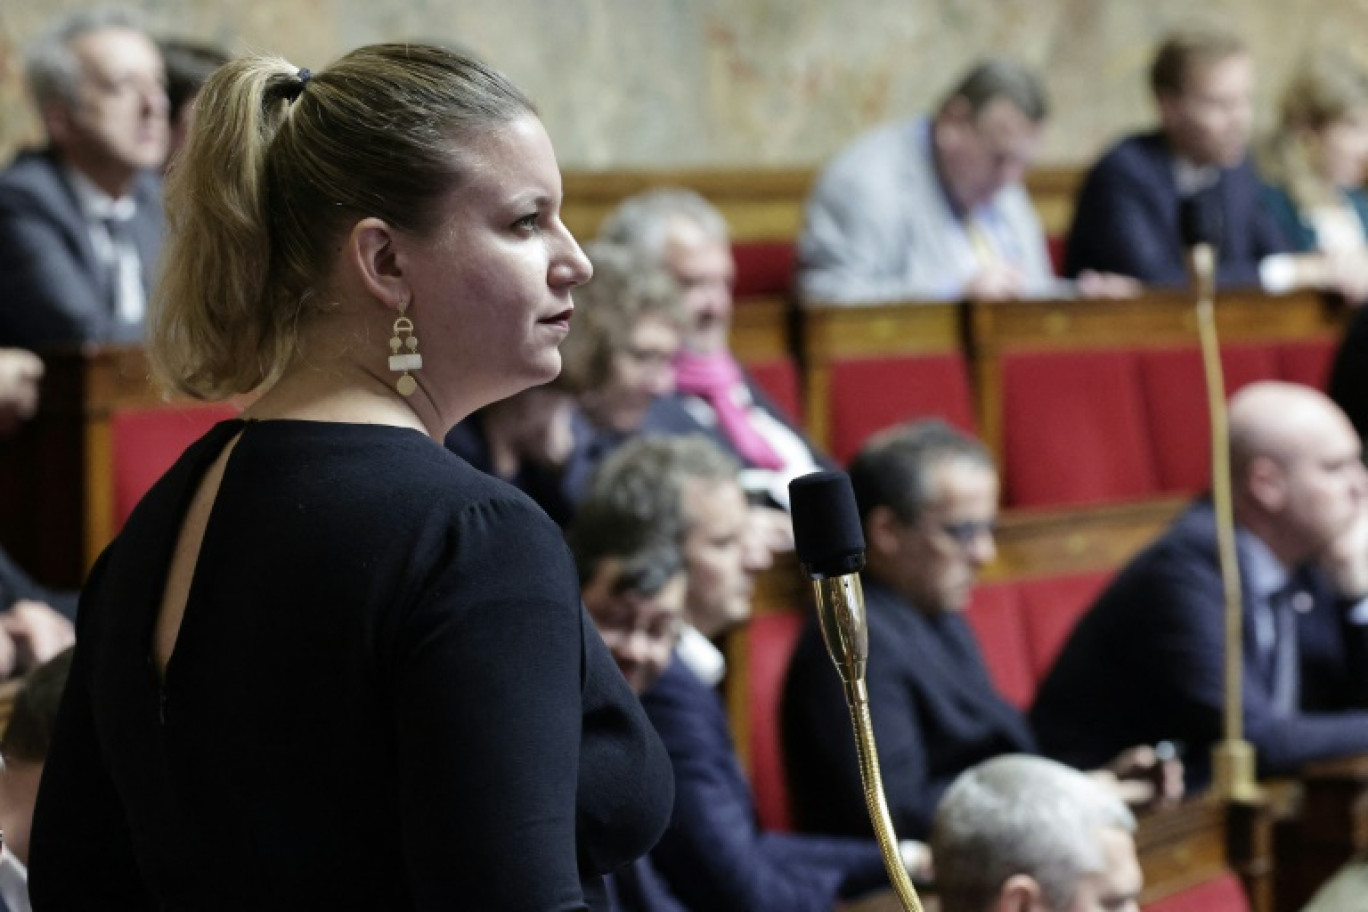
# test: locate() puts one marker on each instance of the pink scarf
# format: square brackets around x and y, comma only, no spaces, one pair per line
[713,378]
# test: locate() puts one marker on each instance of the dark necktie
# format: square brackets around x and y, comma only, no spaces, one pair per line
[118,242]
[1285,673]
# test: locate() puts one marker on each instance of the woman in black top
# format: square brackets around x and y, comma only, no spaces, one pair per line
[327,664]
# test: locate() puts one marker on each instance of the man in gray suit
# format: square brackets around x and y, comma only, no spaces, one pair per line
[81,221]
[933,209]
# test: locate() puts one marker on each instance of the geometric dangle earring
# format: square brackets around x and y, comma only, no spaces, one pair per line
[404,338]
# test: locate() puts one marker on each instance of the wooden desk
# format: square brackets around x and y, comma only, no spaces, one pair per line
[56,482]
[760,330]
[1325,825]
[834,333]
[1200,840]
[758,204]
[767,203]
[1061,542]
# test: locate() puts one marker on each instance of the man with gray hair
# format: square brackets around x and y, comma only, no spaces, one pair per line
[713,855]
[934,208]
[684,234]
[1019,832]
[81,220]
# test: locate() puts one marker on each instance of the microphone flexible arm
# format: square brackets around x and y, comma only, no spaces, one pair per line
[828,537]
[841,612]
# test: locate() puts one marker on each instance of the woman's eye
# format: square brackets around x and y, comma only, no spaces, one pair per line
[527,222]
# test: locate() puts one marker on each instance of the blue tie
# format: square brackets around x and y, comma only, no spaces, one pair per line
[1285,676]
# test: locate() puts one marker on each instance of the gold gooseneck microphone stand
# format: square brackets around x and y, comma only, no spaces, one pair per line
[1232,758]
[830,545]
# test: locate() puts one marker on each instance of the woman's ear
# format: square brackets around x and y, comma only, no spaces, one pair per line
[372,251]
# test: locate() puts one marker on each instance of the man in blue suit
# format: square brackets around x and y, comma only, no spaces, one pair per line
[81,221]
[927,496]
[1127,215]
[713,857]
[1146,661]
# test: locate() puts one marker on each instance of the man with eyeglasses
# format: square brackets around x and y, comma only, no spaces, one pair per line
[933,208]
[928,497]
[81,220]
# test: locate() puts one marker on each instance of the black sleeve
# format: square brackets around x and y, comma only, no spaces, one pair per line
[487,704]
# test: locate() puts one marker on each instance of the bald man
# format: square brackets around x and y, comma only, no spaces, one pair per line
[1145,663]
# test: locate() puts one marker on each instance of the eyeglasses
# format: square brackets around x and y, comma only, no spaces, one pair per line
[968,531]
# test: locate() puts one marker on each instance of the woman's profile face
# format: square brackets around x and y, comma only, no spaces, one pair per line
[491,284]
[1340,149]
[641,370]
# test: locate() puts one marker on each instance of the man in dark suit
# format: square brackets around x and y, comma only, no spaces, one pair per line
[1127,216]
[1146,661]
[81,221]
[928,498]
[682,233]
[713,856]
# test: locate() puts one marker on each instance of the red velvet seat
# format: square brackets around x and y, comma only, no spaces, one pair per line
[869,394]
[763,267]
[1050,608]
[1221,894]
[1308,361]
[779,380]
[770,641]
[1073,428]
[1177,418]
[145,442]
[994,614]
[1058,246]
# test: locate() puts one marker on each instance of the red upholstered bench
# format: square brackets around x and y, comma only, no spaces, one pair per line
[145,442]
[1050,609]
[763,267]
[1074,428]
[779,379]
[770,639]
[869,394]
[1177,420]
[1308,361]
[994,615]
[1022,624]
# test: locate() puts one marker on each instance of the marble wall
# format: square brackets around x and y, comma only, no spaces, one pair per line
[734,83]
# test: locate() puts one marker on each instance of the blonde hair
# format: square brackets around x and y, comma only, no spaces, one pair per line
[626,289]
[278,166]
[1327,87]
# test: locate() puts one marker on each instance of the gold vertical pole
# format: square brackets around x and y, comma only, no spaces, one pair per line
[1232,758]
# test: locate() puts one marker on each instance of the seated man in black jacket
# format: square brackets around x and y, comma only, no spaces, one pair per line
[927,497]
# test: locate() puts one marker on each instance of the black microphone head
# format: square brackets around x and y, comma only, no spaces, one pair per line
[1199,219]
[826,524]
